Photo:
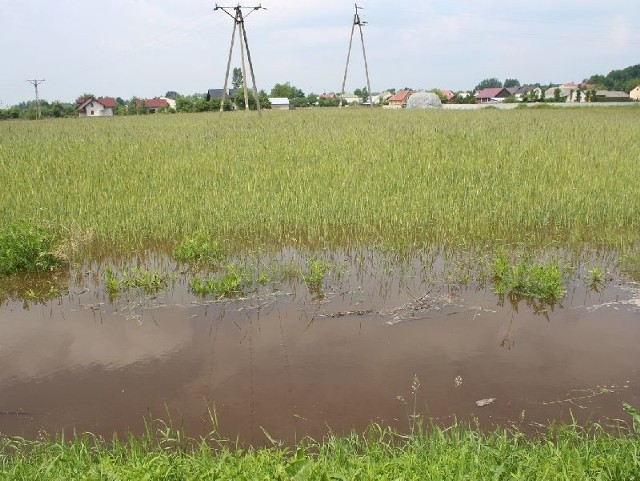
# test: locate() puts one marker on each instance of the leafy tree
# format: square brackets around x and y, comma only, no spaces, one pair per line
[440,94]
[237,80]
[57,109]
[84,96]
[262,96]
[511,83]
[286,90]
[363,93]
[578,95]
[488,83]
[616,79]
[172,94]
[629,85]
[312,99]
[557,95]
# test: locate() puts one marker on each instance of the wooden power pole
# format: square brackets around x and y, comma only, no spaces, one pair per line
[238,25]
[359,23]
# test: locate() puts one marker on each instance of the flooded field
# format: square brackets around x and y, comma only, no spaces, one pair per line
[377,341]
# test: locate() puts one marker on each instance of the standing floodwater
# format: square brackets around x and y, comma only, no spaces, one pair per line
[293,361]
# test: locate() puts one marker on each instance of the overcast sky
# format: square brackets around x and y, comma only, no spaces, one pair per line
[147,47]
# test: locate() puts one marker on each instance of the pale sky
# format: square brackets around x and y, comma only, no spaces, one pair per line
[147,47]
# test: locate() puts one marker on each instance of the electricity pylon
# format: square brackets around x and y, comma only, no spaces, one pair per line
[238,24]
[359,23]
[35,83]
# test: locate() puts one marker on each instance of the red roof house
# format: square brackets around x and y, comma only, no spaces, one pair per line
[399,100]
[96,107]
[491,94]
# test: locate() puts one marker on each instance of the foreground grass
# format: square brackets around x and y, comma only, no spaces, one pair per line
[330,178]
[563,453]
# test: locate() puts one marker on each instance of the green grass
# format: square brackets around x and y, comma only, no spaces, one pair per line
[199,250]
[630,264]
[231,284]
[27,248]
[337,179]
[524,277]
[148,281]
[431,453]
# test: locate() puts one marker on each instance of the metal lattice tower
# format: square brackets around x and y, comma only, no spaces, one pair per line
[359,23]
[238,25]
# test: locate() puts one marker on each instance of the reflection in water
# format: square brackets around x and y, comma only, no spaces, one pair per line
[284,360]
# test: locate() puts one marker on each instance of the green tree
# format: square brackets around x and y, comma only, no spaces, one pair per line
[488,83]
[237,80]
[262,96]
[172,94]
[57,109]
[286,90]
[312,99]
[363,93]
[511,83]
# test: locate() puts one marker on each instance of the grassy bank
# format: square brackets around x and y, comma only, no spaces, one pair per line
[350,177]
[563,453]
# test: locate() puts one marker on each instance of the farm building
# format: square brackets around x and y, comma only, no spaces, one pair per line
[635,94]
[280,103]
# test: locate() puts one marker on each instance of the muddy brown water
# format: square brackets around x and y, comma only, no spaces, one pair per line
[288,362]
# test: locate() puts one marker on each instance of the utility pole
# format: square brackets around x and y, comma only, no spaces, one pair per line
[35,83]
[359,23]
[238,25]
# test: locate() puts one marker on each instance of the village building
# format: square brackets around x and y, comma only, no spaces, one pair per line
[96,107]
[399,100]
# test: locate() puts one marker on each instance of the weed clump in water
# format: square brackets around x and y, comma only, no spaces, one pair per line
[526,278]
[27,248]
[230,284]
[199,250]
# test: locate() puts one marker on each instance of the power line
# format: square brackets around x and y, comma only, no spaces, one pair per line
[359,23]
[238,24]
[35,83]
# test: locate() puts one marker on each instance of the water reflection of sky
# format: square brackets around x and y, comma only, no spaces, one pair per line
[294,364]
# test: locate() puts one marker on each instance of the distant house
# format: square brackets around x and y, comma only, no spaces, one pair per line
[612,96]
[280,103]
[566,91]
[218,93]
[351,98]
[382,98]
[496,94]
[399,100]
[96,107]
[156,104]
[635,94]
[448,95]
[328,96]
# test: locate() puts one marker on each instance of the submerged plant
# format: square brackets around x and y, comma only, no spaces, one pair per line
[27,248]
[229,285]
[199,249]
[136,278]
[316,271]
[526,278]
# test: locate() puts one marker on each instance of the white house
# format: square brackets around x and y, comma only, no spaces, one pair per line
[635,94]
[96,107]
